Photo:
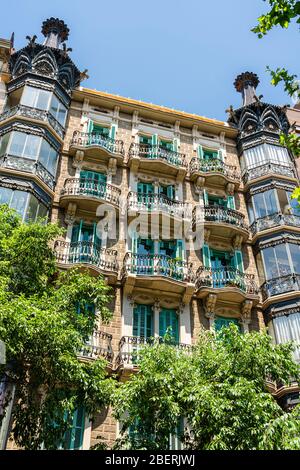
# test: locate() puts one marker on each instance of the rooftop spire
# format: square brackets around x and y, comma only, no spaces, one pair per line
[55,31]
[246,83]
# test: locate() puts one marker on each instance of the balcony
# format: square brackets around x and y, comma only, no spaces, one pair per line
[157,159]
[284,284]
[88,194]
[222,221]
[158,203]
[98,346]
[96,146]
[158,272]
[274,220]
[215,171]
[33,114]
[89,254]
[268,169]
[130,345]
[229,283]
[27,165]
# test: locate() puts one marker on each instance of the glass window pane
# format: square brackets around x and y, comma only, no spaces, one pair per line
[54,106]
[271,201]
[270,263]
[19,201]
[29,96]
[295,255]
[4,143]
[5,195]
[31,149]
[44,153]
[42,211]
[32,209]
[62,113]
[43,99]
[282,259]
[260,206]
[17,143]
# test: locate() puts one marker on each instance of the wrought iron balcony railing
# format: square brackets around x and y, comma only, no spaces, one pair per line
[221,215]
[129,346]
[28,166]
[92,139]
[158,202]
[274,220]
[90,188]
[267,168]
[86,253]
[226,277]
[214,165]
[281,285]
[157,265]
[99,345]
[156,152]
[34,113]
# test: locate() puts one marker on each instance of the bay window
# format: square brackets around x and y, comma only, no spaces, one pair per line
[25,203]
[281,260]
[264,154]
[46,101]
[287,328]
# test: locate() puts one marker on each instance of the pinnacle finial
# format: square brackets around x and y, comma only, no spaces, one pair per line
[246,83]
[55,31]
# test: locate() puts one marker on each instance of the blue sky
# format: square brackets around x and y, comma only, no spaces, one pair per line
[181,54]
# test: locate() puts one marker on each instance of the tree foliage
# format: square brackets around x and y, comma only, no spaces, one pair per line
[220,388]
[43,331]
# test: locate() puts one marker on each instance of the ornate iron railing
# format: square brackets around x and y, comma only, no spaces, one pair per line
[158,202]
[157,265]
[214,165]
[34,113]
[90,188]
[99,345]
[86,253]
[267,168]
[274,220]
[221,215]
[129,346]
[280,285]
[92,139]
[226,277]
[156,152]
[28,166]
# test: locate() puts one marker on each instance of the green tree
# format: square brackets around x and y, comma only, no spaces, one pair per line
[44,322]
[220,387]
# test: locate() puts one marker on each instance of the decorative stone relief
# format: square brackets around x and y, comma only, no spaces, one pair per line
[70,215]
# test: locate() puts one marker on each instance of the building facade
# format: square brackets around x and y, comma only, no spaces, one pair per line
[189,219]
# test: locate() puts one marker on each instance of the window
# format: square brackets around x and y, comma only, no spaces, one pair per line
[168,191]
[287,328]
[166,145]
[168,321]
[58,110]
[276,261]
[73,438]
[221,322]
[143,321]
[264,154]
[48,157]
[26,204]
[36,98]
[295,257]
[265,203]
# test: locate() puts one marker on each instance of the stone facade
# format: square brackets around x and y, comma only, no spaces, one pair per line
[200,160]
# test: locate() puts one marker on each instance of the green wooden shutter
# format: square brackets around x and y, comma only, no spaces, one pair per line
[113,130]
[90,126]
[169,318]
[205,198]
[206,256]
[230,202]
[171,192]
[200,151]
[74,437]
[143,321]
[179,249]
[220,155]
[238,261]
[221,322]
[175,144]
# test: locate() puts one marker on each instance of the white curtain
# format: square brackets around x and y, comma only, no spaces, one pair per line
[287,328]
[265,153]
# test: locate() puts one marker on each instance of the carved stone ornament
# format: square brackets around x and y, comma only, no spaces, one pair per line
[78,159]
[71,213]
[210,306]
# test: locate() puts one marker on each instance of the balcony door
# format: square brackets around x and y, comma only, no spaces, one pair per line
[168,321]
[73,439]
[85,244]
[221,322]
[143,250]
[222,265]
[143,325]
[145,191]
[93,183]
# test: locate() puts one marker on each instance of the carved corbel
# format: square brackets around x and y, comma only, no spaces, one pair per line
[78,159]
[237,241]
[246,314]
[210,307]
[199,184]
[71,213]
[230,189]
[131,300]
[112,166]
[181,308]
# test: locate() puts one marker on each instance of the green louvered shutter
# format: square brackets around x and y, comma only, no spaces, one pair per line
[169,318]
[206,256]
[220,155]
[143,321]
[205,198]
[221,322]
[230,202]
[154,143]
[74,437]
[200,152]
[171,192]
[90,126]
[238,261]
[113,131]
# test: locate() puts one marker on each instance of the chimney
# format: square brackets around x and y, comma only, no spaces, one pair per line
[246,83]
[55,32]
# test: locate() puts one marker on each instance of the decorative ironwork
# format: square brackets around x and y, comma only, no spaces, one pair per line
[129,346]
[158,265]
[214,165]
[266,169]
[90,188]
[99,345]
[274,220]
[280,285]
[86,253]
[34,113]
[158,202]
[92,139]
[226,277]
[222,215]
[28,166]
[156,152]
